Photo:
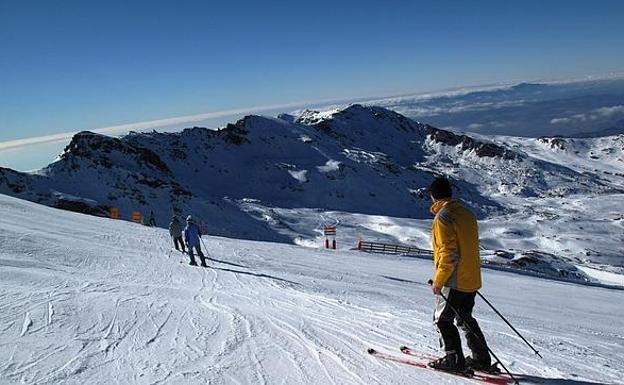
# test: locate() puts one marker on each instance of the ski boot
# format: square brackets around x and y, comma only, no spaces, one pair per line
[451,363]
[482,365]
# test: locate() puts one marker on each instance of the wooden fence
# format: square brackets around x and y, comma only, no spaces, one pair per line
[388,248]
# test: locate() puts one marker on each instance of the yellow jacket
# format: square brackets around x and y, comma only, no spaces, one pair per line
[455,239]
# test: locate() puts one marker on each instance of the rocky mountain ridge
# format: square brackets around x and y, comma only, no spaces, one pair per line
[362,159]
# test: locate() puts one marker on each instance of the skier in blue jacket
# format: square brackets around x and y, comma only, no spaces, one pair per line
[192,233]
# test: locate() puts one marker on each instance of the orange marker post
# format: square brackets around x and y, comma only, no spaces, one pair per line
[114,213]
[137,217]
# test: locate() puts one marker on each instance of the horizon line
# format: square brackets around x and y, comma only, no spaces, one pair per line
[155,123]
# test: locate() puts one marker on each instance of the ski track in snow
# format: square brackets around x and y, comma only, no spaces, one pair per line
[89,300]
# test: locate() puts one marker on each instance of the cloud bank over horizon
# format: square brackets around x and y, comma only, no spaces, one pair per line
[140,126]
[579,106]
[394,102]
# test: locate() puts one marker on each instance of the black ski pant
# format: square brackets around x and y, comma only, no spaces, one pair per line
[444,318]
[199,253]
[179,243]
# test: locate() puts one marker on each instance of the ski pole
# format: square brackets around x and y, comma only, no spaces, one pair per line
[205,248]
[510,325]
[478,339]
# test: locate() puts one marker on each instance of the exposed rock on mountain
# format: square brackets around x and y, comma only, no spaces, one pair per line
[358,159]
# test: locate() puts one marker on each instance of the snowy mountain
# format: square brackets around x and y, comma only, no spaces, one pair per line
[359,159]
[97,301]
[573,107]
[269,179]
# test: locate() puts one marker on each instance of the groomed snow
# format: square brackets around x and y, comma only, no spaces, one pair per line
[97,301]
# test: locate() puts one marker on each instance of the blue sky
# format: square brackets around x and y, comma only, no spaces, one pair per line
[73,65]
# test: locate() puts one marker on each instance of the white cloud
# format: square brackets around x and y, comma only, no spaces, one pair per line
[405,108]
[496,124]
[560,120]
[475,126]
[608,111]
[595,114]
[142,126]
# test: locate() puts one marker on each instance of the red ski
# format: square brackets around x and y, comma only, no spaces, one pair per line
[420,361]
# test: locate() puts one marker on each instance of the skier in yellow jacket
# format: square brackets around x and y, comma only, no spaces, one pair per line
[455,240]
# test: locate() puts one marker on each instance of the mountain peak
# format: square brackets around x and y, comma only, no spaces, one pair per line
[106,151]
[358,158]
[365,119]
[525,86]
[84,142]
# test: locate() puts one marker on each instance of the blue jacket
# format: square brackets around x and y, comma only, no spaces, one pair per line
[192,234]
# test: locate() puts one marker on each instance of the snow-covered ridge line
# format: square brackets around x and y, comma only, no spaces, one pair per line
[257,157]
[358,159]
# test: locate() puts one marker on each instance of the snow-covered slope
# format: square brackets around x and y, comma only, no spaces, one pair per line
[207,172]
[576,238]
[357,159]
[92,300]
[547,205]
[601,156]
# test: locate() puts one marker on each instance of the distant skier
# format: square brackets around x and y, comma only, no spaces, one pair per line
[152,221]
[192,235]
[455,239]
[175,230]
